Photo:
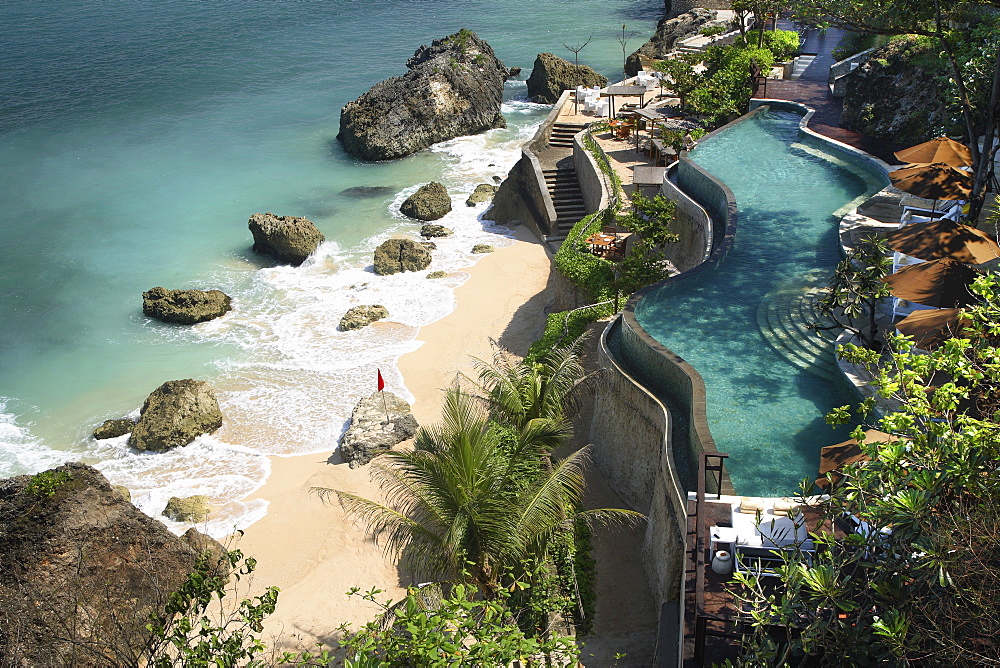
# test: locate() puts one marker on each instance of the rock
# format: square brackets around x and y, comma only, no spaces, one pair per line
[437,274]
[483,248]
[113,428]
[123,491]
[287,238]
[369,434]
[430,202]
[497,179]
[430,231]
[362,316]
[185,307]
[551,75]
[81,567]
[429,245]
[188,509]
[483,193]
[892,96]
[175,414]
[396,255]
[453,88]
[366,191]
[513,72]
[668,32]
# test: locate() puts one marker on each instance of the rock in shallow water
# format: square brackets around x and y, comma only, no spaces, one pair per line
[369,433]
[396,255]
[430,202]
[287,238]
[188,509]
[113,429]
[175,414]
[484,192]
[551,75]
[185,307]
[453,88]
[362,316]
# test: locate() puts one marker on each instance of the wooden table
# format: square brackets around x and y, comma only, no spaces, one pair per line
[648,176]
[602,243]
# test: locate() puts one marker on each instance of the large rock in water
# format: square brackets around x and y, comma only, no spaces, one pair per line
[396,255]
[430,202]
[175,414]
[362,316]
[484,192]
[113,428]
[185,307]
[551,75]
[453,88]
[288,238]
[369,433]
[82,567]
[892,95]
[668,31]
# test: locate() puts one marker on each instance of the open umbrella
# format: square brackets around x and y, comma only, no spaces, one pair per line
[939,283]
[833,458]
[941,149]
[944,238]
[930,329]
[934,181]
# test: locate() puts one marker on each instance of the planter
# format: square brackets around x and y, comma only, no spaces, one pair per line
[722,562]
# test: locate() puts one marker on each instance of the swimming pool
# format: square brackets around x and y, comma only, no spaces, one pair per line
[769,381]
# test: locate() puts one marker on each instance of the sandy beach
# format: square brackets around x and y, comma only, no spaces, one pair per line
[311,550]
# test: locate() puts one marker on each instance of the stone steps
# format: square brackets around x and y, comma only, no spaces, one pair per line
[562,134]
[567,198]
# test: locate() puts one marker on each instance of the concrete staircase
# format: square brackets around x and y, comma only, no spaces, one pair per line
[782,316]
[562,134]
[800,63]
[564,188]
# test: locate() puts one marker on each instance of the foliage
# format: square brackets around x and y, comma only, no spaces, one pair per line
[680,77]
[186,634]
[783,44]
[712,31]
[47,483]
[457,630]
[649,220]
[855,290]
[726,88]
[581,267]
[564,326]
[852,43]
[916,580]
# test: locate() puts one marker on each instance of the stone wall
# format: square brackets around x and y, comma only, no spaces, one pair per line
[593,183]
[693,225]
[676,7]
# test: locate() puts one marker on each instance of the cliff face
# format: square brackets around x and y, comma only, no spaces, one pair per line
[81,569]
[895,95]
[668,31]
[453,88]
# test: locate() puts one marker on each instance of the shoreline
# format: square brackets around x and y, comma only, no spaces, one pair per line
[311,550]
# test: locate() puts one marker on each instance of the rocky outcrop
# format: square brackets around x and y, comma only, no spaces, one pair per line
[81,570]
[287,238]
[437,274]
[113,429]
[430,202]
[362,316]
[453,88]
[361,192]
[484,192]
[668,32]
[188,509]
[432,231]
[369,433]
[185,307]
[175,414]
[551,75]
[892,96]
[482,248]
[396,255]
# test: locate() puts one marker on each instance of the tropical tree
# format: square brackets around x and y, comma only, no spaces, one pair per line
[469,499]
[680,77]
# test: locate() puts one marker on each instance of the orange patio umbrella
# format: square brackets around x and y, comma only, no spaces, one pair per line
[944,238]
[933,181]
[940,149]
[939,283]
[930,329]
[833,458]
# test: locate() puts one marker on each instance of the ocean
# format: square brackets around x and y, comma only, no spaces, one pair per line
[137,138]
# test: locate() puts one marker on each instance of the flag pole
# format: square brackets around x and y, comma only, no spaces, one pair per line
[381,388]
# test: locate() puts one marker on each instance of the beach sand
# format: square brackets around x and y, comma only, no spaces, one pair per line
[311,550]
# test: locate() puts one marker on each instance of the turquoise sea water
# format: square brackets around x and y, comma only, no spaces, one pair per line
[767,414]
[137,138]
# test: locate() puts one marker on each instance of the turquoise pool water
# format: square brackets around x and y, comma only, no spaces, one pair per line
[764,411]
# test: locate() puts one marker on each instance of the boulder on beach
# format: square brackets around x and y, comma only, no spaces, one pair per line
[551,75]
[482,248]
[430,231]
[362,316]
[484,192]
[113,428]
[430,202]
[396,255]
[369,433]
[175,414]
[185,307]
[187,509]
[82,567]
[453,88]
[437,274]
[287,238]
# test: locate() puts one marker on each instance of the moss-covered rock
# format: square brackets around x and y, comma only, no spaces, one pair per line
[484,192]
[287,238]
[188,509]
[113,429]
[175,414]
[483,248]
[362,316]
[437,274]
[430,231]
[185,307]
[396,255]
[430,202]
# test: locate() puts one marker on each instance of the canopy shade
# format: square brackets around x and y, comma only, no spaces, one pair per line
[934,181]
[941,149]
[944,238]
[940,283]
[930,329]
[833,458]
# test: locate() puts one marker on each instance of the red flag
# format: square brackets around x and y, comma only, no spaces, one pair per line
[381,383]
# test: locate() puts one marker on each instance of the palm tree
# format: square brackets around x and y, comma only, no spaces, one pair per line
[467,500]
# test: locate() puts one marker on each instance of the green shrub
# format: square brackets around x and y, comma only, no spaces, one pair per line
[47,483]
[711,31]
[564,326]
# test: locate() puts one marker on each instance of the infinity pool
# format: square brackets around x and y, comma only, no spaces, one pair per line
[741,324]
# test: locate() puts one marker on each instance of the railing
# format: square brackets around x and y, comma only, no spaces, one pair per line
[840,72]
